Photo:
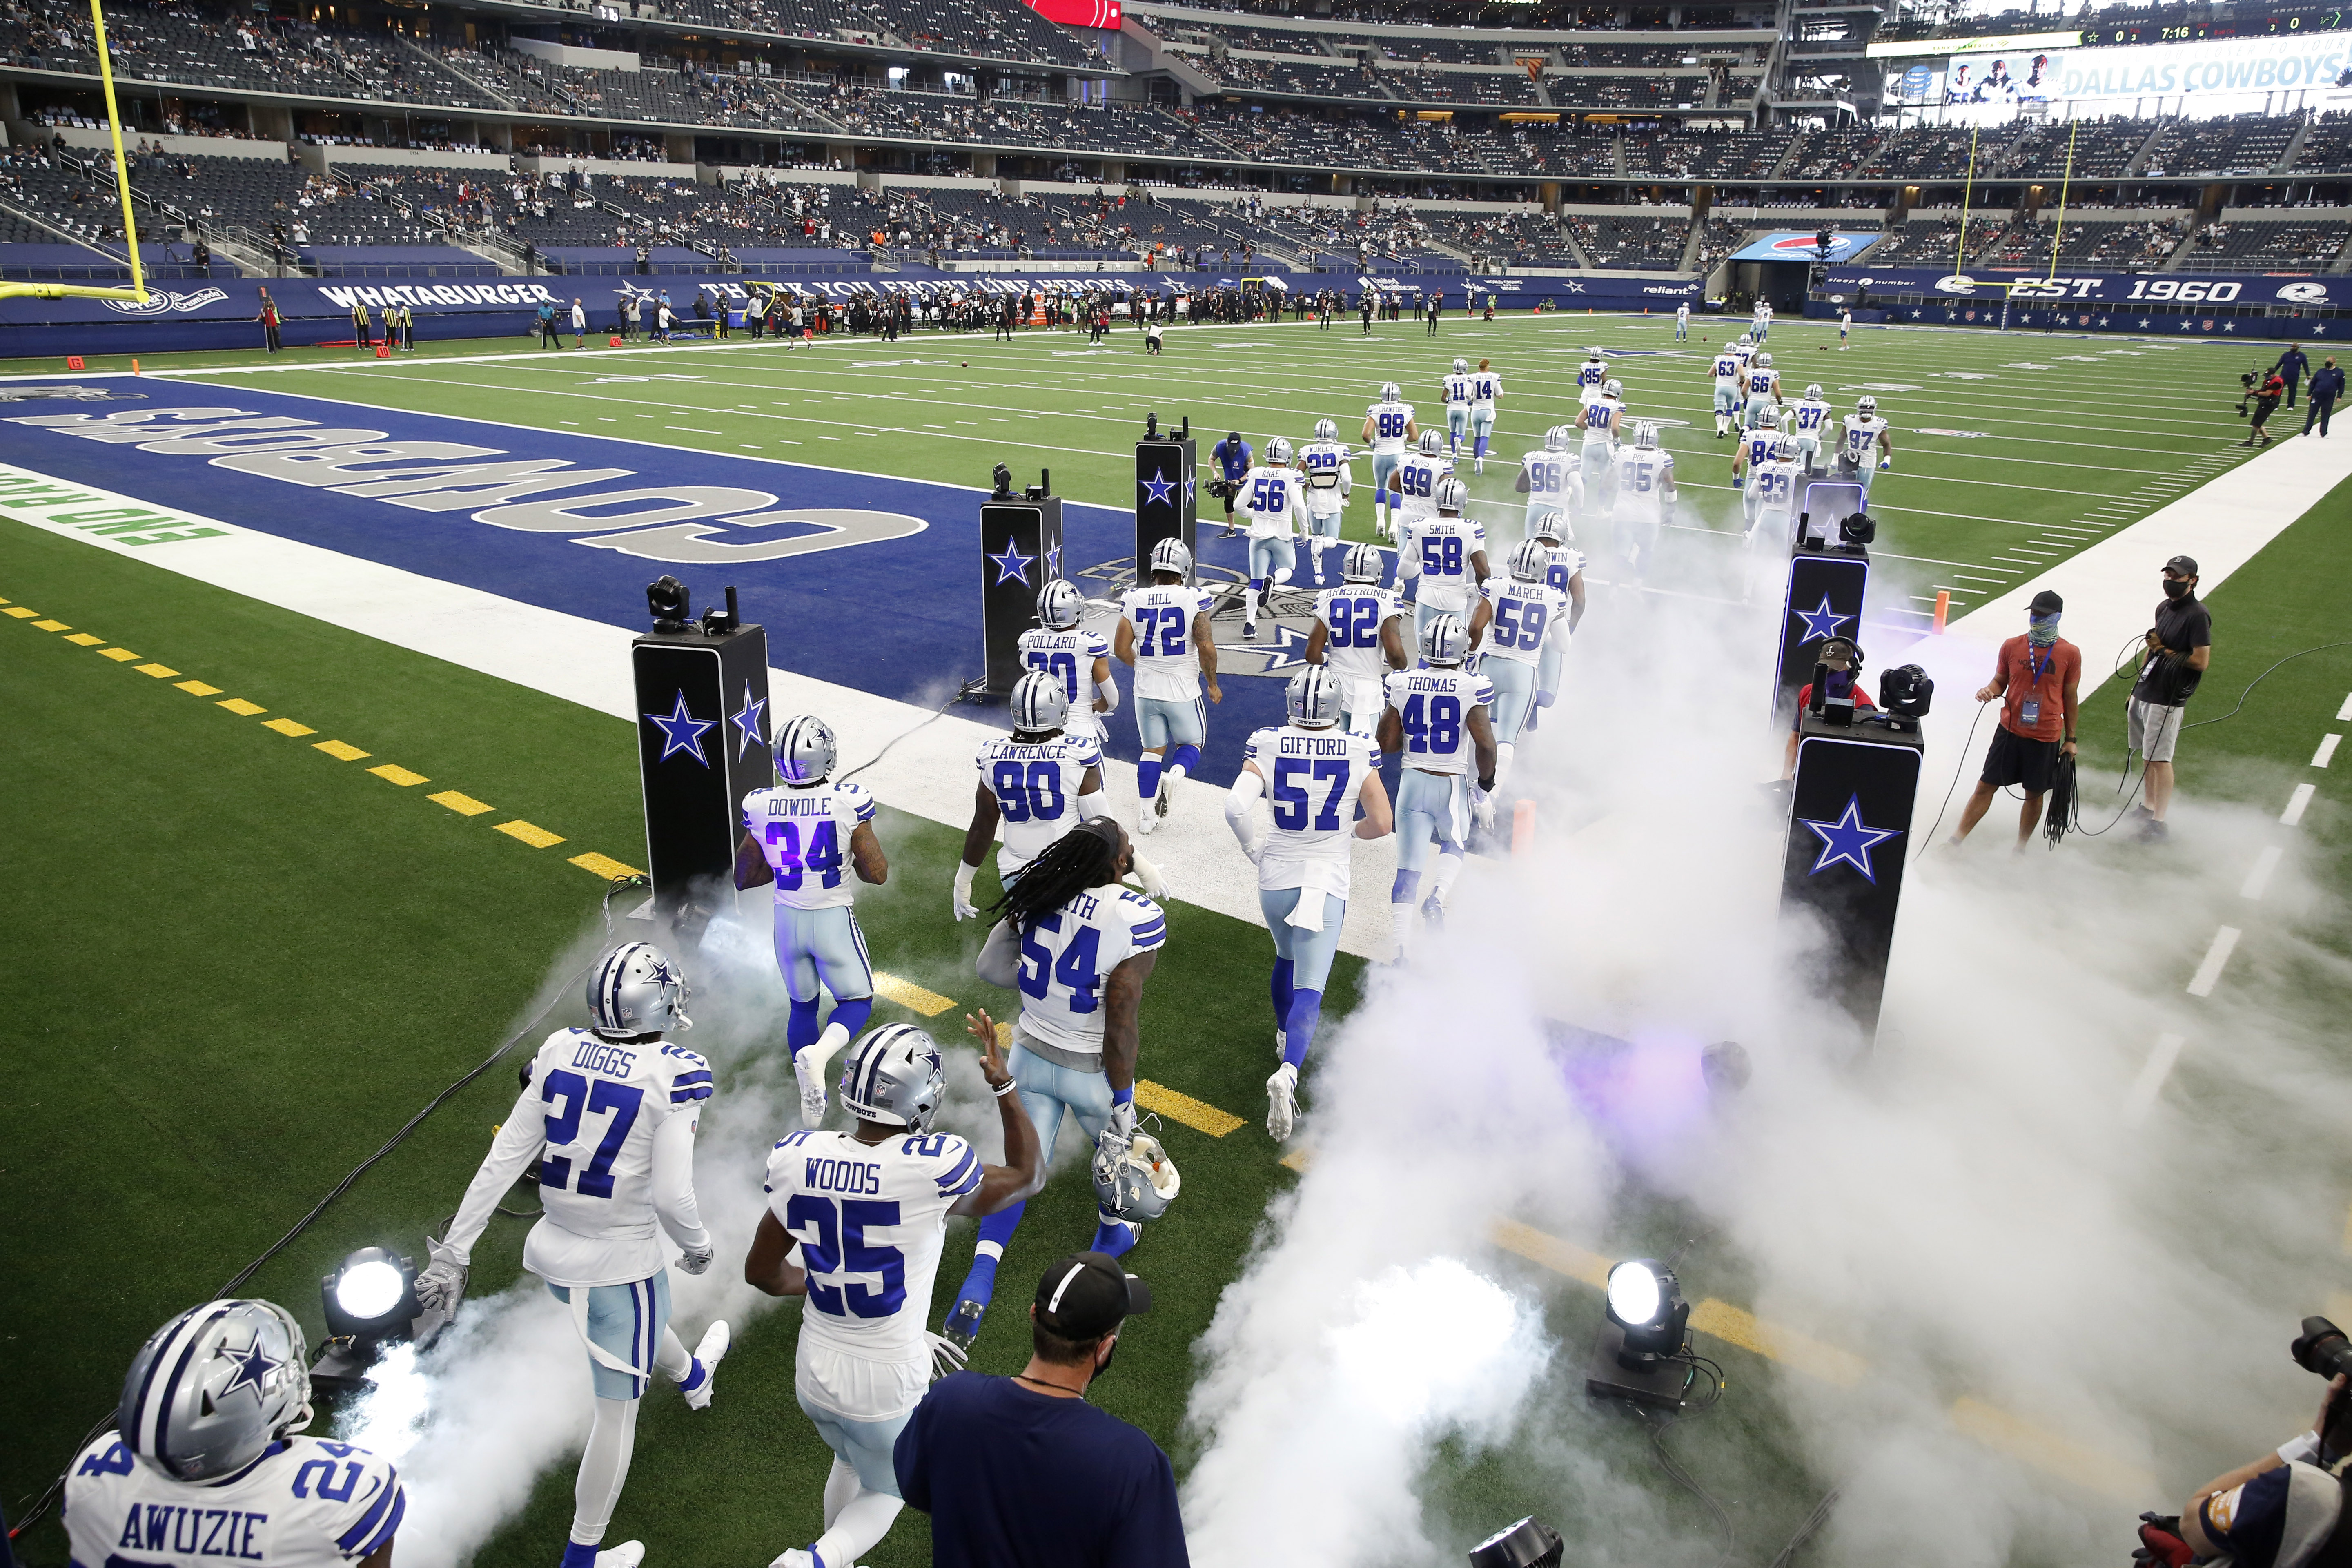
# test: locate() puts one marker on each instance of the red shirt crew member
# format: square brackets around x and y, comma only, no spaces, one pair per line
[2036,678]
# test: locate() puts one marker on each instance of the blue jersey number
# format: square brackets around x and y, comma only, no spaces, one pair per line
[1390,425]
[622,1100]
[1075,969]
[1442,556]
[1775,488]
[1811,414]
[1546,478]
[1355,623]
[1269,495]
[1519,623]
[1060,663]
[833,1241]
[1557,575]
[822,854]
[1291,803]
[1434,728]
[1416,480]
[1159,631]
[1028,794]
[1643,478]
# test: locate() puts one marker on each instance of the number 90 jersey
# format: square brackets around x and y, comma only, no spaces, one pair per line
[870,1219]
[1069,657]
[804,833]
[601,1101]
[1312,778]
[1067,956]
[1035,783]
[1525,615]
[1435,706]
[306,1503]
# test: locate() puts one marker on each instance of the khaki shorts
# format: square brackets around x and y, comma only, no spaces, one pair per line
[2155,730]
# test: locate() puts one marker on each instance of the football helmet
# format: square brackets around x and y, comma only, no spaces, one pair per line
[1552,528]
[1432,443]
[1557,439]
[1040,703]
[1764,359]
[1391,392]
[1313,698]
[1613,387]
[1645,436]
[1278,452]
[1450,494]
[1326,430]
[1865,404]
[1170,555]
[1814,392]
[1445,641]
[1593,354]
[805,749]
[1529,560]
[234,1378]
[1784,448]
[893,1074]
[635,990]
[1362,564]
[1461,367]
[1059,605]
[1139,1183]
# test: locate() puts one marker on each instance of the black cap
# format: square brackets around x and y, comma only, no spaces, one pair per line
[2046,603]
[2184,564]
[1086,1295]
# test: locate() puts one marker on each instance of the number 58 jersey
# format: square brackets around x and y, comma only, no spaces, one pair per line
[601,1101]
[804,833]
[305,1503]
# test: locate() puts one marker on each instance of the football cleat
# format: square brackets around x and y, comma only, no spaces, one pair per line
[1160,801]
[709,1353]
[1432,913]
[812,1093]
[963,1322]
[798,1557]
[628,1555]
[1282,1102]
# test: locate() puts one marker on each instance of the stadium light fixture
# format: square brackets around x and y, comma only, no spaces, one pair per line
[370,1302]
[667,598]
[1530,1543]
[1644,1332]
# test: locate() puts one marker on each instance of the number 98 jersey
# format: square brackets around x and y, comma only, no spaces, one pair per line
[601,1102]
[1312,778]
[804,833]
[1035,783]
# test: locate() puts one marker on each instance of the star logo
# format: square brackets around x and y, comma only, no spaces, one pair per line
[1849,839]
[1188,490]
[254,1366]
[1011,566]
[1052,563]
[681,731]
[1162,489]
[751,722]
[1822,622]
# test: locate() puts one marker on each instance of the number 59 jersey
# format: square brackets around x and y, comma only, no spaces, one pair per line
[1435,706]
[1525,615]
[601,1101]
[1312,778]
[804,833]
[1067,956]
[305,1503]
[1035,783]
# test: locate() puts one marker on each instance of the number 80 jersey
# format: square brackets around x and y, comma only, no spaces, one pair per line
[804,833]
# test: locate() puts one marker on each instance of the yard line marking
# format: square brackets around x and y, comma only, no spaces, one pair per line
[529,832]
[397,774]
[21,613]
[2344,714]
[197,689]
[240,707]
[694,430]
[2225,942]
[463,804]
[83,639]
[2259,878]
[55,626]
[1198,1115]
[2141,1097]
[2093,1471]
[911,996]
[2328,744]
[605,865]
[158,671]
[289,728]
[2295,802]
[342,750]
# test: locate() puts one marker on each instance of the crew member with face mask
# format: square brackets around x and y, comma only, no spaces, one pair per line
[2172,661]
[2035,677]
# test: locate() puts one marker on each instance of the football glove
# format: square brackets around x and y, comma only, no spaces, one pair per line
[1482,806]
[1113,1142]
[947,1356]
[695,1259]
[1148,876]
[442,1284]
[962,901]
[1885,462]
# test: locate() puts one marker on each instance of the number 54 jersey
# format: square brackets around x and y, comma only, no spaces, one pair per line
[804,833]
[305,1503]
[601,1102]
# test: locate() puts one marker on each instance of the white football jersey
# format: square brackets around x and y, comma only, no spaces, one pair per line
[1389,421]
[1589,377]
[1642,476]
[1067,957]
[1726,367]
[601,1102]
[1763,381]
[804,833]
[1567,561]
[1323,464]
[1597,413]
[1312,777]
[1276,499]
[1484,387]
[1457,391]
[1417,479]
[305,1503]
[1166,667]
[1433,706]
[1773,485]
[1352,617]
[1861,431]
[1756,449]
[1743,351]
[1813,420]
[1035,783]
[1682,310]
[1069,657]
[1548,474]
[1525,616]
[1444,546]
[870,1219]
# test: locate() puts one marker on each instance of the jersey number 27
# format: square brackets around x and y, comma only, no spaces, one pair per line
[622,1100]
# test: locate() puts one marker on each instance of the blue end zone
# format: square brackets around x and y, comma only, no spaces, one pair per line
[863,581]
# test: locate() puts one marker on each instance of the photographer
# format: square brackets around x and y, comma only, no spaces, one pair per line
[1233,456]
[2284,1510]
[2265,391]
[2173,659]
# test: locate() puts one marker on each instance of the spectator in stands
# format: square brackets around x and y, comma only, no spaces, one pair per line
[2292,367]
[2327,386]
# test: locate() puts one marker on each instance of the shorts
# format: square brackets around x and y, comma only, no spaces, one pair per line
[1430,806]
[2154,727]
[1515,690]
[1726,397]
[1310,952]
[625,1321]
[866,1447]
[2025,761]
[1161,722]
[822,946]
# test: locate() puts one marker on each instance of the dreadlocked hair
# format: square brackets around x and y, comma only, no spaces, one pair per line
[1080,859]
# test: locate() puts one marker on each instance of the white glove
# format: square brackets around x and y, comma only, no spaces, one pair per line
[695,1259]
[1154,882]
[961,902]
[442,1284]
[947,1356]
[1482,806]
[1112,1142]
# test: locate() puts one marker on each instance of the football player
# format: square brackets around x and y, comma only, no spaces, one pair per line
[1599,419]
[1763,405]
[1324,464]
[1436,722]
[1591,374]
[203,1461]
[1060,646]
[1038,784]
[1416,481]
[1356,637]
[1868,446]
[1646,495]
[1485,386]
[885,1190]
[1682,322]
[1564,570]
[1728,368]
[1276,500]
[607,1115]
[1527,612]
[1444,556]
[1078,947]
[1755,448]
[1812,422]
[1314,775]
[1163,634]
[1456,387]
[1388,425]
[1551,478]
[1771,498]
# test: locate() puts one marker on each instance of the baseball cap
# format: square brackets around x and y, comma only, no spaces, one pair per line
[1087,1294]
[2046,603]
[2184,564]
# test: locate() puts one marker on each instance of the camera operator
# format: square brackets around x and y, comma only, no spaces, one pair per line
[1233,456]
[2283,1511]
[2266,392]
[2173,659]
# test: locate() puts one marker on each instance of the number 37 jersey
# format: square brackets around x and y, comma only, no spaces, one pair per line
[804,833]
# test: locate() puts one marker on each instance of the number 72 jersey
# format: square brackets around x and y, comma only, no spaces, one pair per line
[804,833]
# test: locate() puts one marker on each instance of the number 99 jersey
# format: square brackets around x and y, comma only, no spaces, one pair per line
[804,833]
[1067,956]
[601,1102]
[1312,778]
[305,1503]
[1035,783]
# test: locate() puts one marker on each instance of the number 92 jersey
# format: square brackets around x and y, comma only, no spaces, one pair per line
[601,1101]
[1067,957]
[1312,778]
[1435,706]
[804,833]
[305,1503]
[1035,783]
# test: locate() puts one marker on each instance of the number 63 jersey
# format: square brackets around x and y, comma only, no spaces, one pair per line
[804,833]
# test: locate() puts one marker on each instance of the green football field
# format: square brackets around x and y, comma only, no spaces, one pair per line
[243,965]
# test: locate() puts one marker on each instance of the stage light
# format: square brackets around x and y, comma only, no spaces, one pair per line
[1646,1315]
[1530,1543]
[1002,477]
[372,1296]
[1857,530]
[666,597]
[1634,1296]
[1903,694]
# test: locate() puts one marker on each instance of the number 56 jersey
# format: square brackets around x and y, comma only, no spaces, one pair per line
[804,833]
[1312,778]
[601,1101]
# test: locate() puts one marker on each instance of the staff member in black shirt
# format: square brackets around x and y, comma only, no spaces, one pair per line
[2327,386]
[2293,366]
[1022,1472]
[2178,648]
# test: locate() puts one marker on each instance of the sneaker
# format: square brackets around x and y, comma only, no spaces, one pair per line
[1281,1102]
[1249,631]
[1116,1238]
[963,1322]
[799,1557]
[628,1555]
[811,1095]
[2154,831]
[709,1353]
[1433,914]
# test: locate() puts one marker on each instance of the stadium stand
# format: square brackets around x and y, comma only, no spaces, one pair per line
[2242,243]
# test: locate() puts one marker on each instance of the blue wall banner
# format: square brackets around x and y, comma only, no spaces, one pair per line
[2119,290]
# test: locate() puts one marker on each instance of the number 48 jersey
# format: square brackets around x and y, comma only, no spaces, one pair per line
[601,1101]
[1434,707]
[804,833]
[1312,777]
[1035,783]
[305,1503]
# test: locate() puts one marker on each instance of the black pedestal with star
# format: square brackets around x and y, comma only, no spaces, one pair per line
[702,746]
[1824,600]
[1849,840]
[1020,552]
[1166,504]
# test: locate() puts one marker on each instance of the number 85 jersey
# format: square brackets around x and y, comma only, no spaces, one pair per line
[804,833]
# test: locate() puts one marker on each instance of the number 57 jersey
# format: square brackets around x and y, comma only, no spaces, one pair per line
[804,833]
[1312,778]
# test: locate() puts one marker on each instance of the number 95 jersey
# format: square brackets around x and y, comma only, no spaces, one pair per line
[601,1101]
[1035,783]
[804,833]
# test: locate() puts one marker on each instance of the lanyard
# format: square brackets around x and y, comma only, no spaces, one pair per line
[2038,667]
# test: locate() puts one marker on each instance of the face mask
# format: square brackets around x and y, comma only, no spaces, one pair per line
[1104,1366]
[2174,587]
[2042,632]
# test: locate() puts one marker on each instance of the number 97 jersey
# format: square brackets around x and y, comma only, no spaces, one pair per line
[804,833]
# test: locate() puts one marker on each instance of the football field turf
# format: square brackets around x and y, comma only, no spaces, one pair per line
[255,956]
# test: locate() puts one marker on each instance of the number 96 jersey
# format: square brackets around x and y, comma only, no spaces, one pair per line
[1312,778]
[1035,783]
[804,833]
[601,1102]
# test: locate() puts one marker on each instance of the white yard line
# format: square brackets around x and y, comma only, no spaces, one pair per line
[2217,953]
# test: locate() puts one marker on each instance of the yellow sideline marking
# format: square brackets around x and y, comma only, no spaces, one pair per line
[241,708]
[197,689]
[1791,1349]
[54,627]
[342,750]
[83,639]
[605,865]
[119,655]
[911,996]
[1198,1115]
[536,837]
[1551,1252]
[397,774]
[21,613]
[2045,1450]
[463,804]
[160,671]
[289,728]
[1297,1160]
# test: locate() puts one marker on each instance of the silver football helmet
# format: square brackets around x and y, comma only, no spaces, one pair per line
[1558,438]
[1432,443]
[1461,367]
[1391,392]
[1140,1183]
[1327,429]
[1784,448]
[1445,641]
[1314,698]
[1865,404]
[1450,494]
[1060,604]
[1814,392]
[893,1074]
[635,990]
[805,749]
[1170,555]
[1593,354]
[1529,560]
[1040,703]
[1645,436]
[1362,564]
[1552,528]
[1278,452]
[212,1388]
[1613,387]
[1764,359]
